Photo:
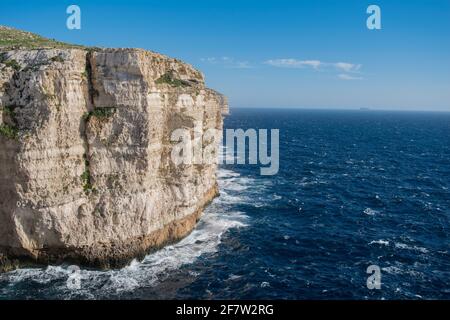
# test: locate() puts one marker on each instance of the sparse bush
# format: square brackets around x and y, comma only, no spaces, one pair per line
[2,57]
[86,179]
[12,64]
[15,39]
[9,110]
[168,78]
[101,113]
[8,131]
[57,59]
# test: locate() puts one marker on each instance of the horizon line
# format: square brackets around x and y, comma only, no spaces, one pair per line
[366,109]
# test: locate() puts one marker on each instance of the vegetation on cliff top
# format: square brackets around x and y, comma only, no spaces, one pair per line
[16,39]
[13,39]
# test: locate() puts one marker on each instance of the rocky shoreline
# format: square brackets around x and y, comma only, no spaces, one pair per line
[112,255]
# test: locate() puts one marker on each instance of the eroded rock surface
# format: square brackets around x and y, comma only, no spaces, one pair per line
[85,169]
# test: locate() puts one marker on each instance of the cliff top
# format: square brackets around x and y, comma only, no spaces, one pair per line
[11,38]
[14,39]
[177,72]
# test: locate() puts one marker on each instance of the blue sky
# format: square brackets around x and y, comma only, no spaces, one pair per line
[310,53]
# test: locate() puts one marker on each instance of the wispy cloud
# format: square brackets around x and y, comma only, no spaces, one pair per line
[227,62]
[345,76]
[348,69]
[294,63]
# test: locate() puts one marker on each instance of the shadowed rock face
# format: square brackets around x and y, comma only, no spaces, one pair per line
[86,174]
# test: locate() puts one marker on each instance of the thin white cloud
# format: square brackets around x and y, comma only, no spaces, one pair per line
[347,67]
[294,63]
[227,62]
[345,76]
[211,60]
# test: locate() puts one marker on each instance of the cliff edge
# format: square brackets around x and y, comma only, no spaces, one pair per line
[86,174]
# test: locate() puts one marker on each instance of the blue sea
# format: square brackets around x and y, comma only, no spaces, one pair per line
[354,189]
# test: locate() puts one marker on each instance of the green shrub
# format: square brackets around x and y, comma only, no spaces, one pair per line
[3,57]
[57,59]
[12,64]
[168,78]
[8,131]
[86,179]
[101,113]
[9,110]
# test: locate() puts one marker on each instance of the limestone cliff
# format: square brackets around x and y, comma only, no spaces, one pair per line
[85,168]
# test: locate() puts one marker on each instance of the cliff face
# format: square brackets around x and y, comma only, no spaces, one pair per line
[86,174]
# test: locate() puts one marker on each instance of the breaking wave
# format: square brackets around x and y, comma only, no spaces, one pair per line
[217,219]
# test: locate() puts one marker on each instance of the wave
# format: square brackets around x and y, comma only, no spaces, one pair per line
[228,155]
[399,245]
[370,212]
[380,242]
[407,247]
[205,239]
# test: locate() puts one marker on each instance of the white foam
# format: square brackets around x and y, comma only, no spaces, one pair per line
[380,242]
[224,173]
[398,268]
[226,198]
[217,219]
[370,212]
[392,270]
[407,247]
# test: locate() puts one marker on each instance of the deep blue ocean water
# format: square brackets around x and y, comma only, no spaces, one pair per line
[355,188]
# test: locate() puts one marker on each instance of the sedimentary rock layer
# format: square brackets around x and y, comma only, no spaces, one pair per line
[85,153]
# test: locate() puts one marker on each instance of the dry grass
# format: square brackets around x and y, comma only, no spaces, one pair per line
[16,39]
